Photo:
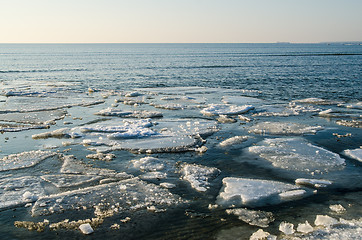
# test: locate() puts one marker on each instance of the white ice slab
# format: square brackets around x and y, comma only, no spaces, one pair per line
[24,159]
[148,164]
[225,109]
[233,140]
[317,101]
[253,192]
[198,176]
[297,154]
[283,128]
[129,114]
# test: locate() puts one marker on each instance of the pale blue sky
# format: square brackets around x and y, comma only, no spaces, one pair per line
[149,21]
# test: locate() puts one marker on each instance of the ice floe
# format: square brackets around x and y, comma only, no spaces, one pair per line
[316,183]
[286,228]
[255,192]
[24,159]
[18,191]
[198,176]
[225,109]
[262,235]
[297,154]
[233,141]
[252,217]
[283,128]
[240,100]
[86,228]
[111,198]
[317,101]
[354,153]
[129,114]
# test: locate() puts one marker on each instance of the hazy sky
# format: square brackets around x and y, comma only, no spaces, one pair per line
[128,21]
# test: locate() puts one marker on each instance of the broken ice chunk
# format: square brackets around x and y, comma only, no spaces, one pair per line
[304,227]
[24,159]
[298,155]
[149,164]
[354,153]
[86,228]
[240,100]
[225,109]
[262,235]
[324,220]
[252,217]
[198,176]
[233,140]
[338,208]
[286,228]
[317,183]
[283,128]
[317,101]
[253,192]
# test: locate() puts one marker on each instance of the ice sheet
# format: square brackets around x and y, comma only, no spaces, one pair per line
[129,114]
[283,128]
[69,180]
[23,160]
[297,154]
[254,192]
[125,195]
[19,191]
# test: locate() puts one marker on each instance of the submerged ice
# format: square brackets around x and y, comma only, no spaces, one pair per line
[297,154]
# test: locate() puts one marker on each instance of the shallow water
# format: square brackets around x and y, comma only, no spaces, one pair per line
[44,88]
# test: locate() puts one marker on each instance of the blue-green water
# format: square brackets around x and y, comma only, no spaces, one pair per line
[45,87]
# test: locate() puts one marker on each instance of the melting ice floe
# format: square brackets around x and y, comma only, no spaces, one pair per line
[225,109]
[317,101]
[283,128]
[198,176]
[256,192]
[354,153]
[23,160]
[125,195]
[18,191]
[297,154]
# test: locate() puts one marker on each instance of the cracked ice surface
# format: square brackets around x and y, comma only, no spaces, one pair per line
[124,195]
[354,153]
[256,192]
[18,191]
[23,160]
[297,154]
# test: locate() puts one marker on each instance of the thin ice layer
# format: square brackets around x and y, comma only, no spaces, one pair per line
[23,160]
[129,114]
[240,100]
[283,128]
[354,153]
[69,180]
[125,195]
[198,176]
[148,164]
[18,191]
[254,192]
[297,154]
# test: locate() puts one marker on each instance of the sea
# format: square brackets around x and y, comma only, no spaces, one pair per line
[181,141]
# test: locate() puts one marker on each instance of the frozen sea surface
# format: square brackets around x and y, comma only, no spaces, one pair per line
[180,141]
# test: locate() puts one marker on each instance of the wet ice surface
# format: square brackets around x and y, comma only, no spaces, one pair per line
[125,156]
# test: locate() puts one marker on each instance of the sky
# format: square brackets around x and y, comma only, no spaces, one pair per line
[180,21]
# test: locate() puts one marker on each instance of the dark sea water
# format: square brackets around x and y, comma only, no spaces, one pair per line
[47,87]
